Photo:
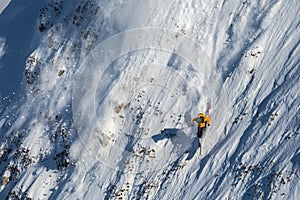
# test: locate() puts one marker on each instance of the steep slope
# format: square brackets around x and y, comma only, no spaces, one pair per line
[17,40]
[107,76]
[3,5]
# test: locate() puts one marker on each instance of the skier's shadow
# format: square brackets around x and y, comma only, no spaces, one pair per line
[179,138]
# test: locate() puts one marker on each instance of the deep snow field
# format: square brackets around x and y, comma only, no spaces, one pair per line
[87,87]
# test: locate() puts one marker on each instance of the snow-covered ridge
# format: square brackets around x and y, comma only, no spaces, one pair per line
[4,4]
[102,78]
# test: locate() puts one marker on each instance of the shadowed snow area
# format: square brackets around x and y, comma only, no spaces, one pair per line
[18,39]
[109,88]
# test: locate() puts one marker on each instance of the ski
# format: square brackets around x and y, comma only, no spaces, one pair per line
[200,145]
[207,109]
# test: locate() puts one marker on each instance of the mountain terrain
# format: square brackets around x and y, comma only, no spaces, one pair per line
[97,97]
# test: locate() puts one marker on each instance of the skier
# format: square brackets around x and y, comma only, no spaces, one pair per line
[203,121]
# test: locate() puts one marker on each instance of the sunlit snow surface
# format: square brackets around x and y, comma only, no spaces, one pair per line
[123,97]
[108,89]
[4,4]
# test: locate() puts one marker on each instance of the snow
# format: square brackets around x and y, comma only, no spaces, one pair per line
[18,21]
[2,47]
[105,90]
[3,5]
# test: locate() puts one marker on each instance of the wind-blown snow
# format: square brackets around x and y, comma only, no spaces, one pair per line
[110,87]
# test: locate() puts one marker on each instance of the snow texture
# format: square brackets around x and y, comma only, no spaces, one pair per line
[97,97]
[3,5]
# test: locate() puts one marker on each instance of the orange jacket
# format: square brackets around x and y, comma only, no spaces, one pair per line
[202,120]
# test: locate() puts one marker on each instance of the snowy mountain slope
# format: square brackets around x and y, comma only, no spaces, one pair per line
[3,5]
[107,76]
[17,40]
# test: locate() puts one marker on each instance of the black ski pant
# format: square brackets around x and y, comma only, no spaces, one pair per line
[200,132]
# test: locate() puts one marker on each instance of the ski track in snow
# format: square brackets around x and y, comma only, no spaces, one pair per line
[103,78]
